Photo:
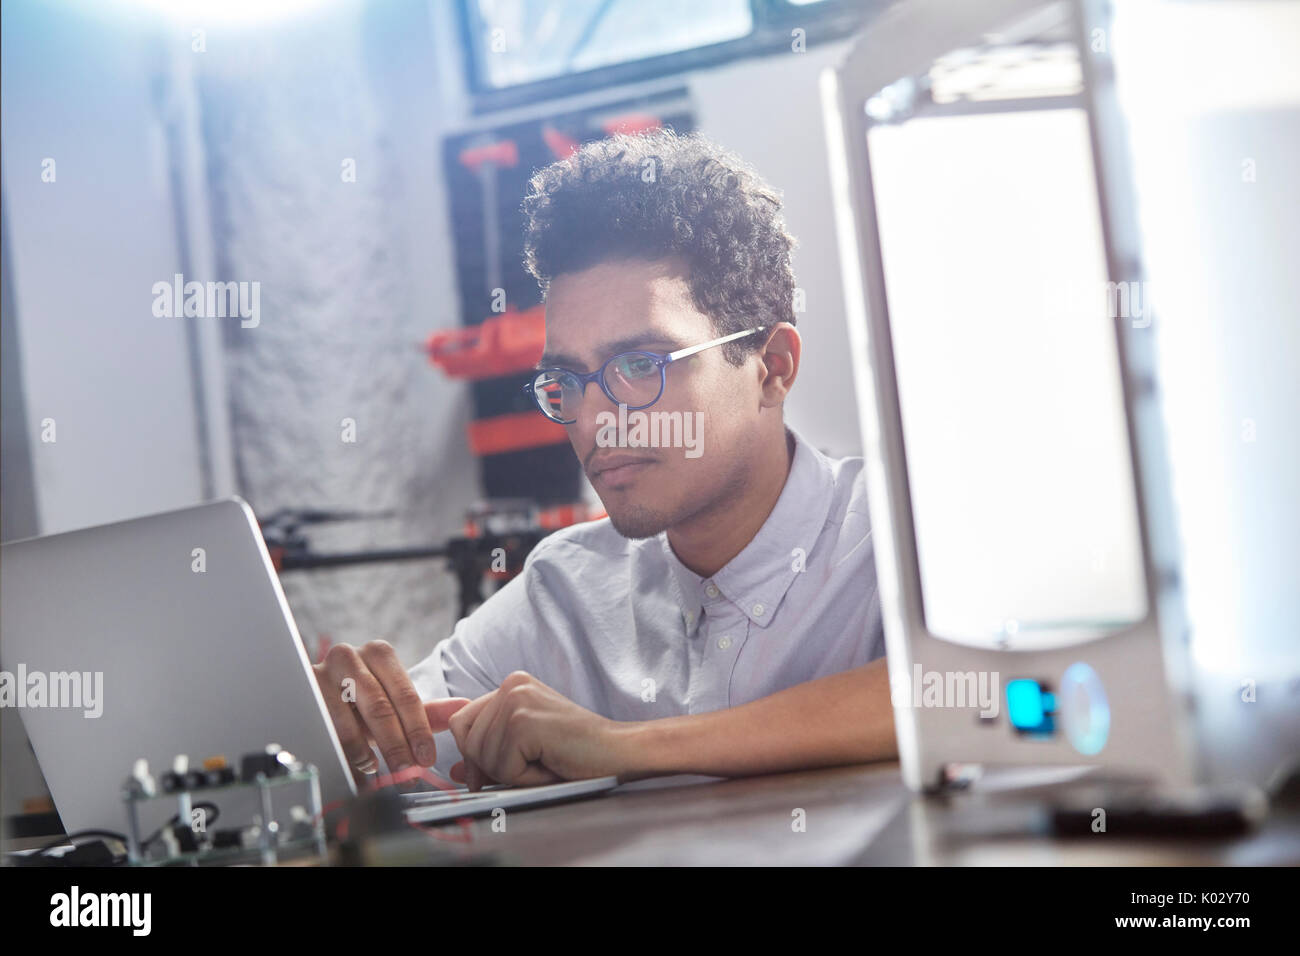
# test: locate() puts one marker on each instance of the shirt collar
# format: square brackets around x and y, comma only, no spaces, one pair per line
[757,579]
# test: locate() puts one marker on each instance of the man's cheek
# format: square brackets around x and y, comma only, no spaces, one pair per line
[581,443]
[676,479]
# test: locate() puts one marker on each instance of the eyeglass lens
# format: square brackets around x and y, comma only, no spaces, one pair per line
[633,379]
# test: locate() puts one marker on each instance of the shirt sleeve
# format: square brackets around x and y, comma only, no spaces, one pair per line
[482,649]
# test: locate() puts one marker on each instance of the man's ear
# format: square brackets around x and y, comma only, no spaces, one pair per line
[779,363]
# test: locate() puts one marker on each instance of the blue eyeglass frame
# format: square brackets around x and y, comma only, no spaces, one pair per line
[661,359]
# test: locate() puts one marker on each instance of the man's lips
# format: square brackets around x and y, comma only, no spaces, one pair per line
[617,469]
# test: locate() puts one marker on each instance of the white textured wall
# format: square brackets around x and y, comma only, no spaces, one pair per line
[84,251]
[353,275]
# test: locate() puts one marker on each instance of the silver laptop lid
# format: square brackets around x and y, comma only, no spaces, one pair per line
[180,640]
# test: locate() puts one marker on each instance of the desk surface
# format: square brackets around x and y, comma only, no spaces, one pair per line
[851,815]
[859,815]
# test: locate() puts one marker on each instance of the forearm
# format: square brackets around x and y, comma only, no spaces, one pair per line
[844,718]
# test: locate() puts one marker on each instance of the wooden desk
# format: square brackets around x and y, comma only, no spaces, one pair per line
[861,815]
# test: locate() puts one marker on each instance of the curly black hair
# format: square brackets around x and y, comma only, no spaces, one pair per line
[657,195]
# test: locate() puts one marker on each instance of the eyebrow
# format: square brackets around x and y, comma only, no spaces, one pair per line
[560,360]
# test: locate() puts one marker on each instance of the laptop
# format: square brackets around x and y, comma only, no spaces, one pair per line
[167,635]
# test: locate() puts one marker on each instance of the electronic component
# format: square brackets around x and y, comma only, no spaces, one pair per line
[274,761]
[1031,707]
[217,772]
[183,840]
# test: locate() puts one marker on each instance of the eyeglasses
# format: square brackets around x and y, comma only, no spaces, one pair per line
[635,379]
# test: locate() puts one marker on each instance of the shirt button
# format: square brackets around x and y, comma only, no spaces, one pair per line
[711,590]
[724,643]
[758,610]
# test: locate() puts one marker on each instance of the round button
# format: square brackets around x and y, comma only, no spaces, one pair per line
[724,643]
[1085,709]
[711,590]
[759,610]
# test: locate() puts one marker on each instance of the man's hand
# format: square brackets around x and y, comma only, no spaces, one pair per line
[525,733]
[373,703]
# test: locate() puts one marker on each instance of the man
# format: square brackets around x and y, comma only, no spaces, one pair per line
[724,618]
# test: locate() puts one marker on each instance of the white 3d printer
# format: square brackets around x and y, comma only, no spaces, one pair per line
[1040,252]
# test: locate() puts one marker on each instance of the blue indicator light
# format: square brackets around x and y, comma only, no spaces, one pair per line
[1025,704]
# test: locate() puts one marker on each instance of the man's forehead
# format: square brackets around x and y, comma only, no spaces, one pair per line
[595,349]
[636,287]
[616,306]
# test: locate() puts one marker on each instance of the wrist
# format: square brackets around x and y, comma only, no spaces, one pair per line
[644,748]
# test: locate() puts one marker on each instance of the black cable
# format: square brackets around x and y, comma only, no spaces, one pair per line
[176,818]
[73,837]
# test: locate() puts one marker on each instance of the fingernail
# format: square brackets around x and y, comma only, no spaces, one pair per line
[426,754]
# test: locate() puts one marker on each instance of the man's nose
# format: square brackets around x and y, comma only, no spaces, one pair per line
[594,402]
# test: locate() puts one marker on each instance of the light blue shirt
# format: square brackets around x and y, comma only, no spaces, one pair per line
[624,629]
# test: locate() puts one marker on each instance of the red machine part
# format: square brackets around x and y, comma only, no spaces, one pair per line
[511,342]
[631,123]
[561,516]
[501,153]
[553,518]
[502,433]
[561,145]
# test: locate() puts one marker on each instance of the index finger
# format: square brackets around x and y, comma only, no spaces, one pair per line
[461,721]
[408,706]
